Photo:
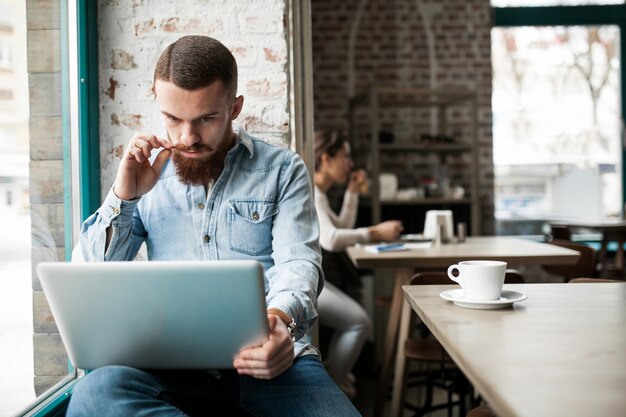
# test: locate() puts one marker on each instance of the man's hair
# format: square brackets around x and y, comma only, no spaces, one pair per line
[194,62]
[327,141]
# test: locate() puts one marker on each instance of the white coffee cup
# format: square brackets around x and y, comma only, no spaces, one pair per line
[480,280]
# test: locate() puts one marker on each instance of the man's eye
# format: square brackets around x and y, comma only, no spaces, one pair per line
[171,118]
[206,119]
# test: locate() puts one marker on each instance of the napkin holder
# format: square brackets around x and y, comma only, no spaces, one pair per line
[438,225]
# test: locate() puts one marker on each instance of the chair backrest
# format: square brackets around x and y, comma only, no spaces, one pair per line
[431,278]
[512,276]
[594,280]
[584,267]
[560,232]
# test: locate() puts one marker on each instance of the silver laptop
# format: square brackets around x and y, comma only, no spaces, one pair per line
[156,314]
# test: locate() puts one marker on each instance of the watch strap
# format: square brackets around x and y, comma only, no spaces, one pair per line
[286,318]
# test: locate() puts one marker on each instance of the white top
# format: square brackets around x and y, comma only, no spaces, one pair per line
[337,232]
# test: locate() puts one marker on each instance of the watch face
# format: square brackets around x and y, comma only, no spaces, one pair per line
[292,329]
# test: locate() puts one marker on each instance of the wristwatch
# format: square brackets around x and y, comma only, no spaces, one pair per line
[287,319]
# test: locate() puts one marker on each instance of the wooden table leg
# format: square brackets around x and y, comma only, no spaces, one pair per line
[619,252]
[399,388]
[602,252]
[391,340]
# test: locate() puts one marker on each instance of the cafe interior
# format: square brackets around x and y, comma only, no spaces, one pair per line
[493,130]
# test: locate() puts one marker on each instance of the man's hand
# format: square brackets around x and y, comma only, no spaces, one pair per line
[270,359]
[135,175]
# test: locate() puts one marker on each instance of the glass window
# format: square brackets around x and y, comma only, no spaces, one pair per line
[32,358]
[5,57]
[556,125]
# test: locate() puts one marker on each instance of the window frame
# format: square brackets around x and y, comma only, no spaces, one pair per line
[575,16]
[81,154]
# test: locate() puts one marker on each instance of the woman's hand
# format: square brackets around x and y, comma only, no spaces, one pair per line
[358,182]
[386,231]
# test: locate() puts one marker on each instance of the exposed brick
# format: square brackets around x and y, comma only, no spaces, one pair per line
[170,24]
[50,356]
[267,88]
[112,87]
[142,28]
[131,121]
[122,60]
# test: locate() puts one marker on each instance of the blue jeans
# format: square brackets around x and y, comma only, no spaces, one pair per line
[304,390]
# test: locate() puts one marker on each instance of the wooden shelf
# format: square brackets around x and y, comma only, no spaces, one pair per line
[427,201]
[419,202]
[414,97]
[425,147]
[375,100]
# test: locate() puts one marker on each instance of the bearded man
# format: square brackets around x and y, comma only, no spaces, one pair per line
[213,194]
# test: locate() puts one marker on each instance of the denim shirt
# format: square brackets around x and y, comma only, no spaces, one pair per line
[260,208]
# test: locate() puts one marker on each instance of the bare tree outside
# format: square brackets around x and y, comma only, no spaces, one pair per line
[556,106]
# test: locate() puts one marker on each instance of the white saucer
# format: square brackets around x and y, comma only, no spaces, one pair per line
[507,299]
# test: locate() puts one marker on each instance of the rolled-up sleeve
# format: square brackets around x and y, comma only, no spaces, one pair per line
[127,232]
[296,278]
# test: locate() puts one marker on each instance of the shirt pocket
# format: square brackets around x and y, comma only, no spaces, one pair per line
[250,225]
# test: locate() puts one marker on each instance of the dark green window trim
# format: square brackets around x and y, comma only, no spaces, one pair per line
[559,15]
[88,102]
[574,16]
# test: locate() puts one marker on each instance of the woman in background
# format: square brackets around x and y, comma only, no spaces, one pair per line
[336,309]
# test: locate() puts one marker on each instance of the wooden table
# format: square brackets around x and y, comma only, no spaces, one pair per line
[612,231]
[561,352]
[514,251]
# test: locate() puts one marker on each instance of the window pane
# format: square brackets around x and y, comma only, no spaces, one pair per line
[528,3]
[556,124]
[32,358]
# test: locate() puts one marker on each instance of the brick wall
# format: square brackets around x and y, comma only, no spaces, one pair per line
[407,43]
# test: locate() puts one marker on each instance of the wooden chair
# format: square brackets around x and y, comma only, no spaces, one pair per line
[481,411]
[429,352]
[559,232]
[513,276]
[584,267]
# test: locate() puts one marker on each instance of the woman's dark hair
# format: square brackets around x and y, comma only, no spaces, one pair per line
[327,141]
[194,62]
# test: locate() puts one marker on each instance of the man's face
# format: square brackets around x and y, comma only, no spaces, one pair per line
[199,126]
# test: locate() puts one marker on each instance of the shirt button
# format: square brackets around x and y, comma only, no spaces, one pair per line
[255,216]
[207,238]
[200,206]
[116,210]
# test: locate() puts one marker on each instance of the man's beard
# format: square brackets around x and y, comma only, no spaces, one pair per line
[200,171]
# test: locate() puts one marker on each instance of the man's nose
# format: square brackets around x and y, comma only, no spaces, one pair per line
[189,136]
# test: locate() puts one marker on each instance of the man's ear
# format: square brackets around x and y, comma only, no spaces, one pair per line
[237,106]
